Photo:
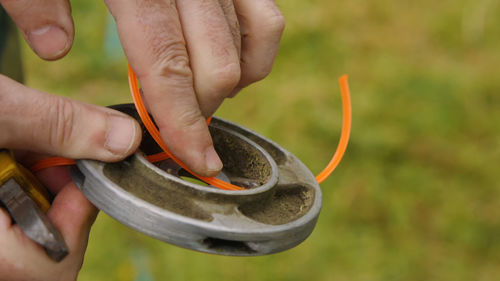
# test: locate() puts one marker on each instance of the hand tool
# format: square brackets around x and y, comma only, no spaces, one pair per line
[27,200]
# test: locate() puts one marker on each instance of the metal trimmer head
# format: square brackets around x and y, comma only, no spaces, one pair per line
[277,210]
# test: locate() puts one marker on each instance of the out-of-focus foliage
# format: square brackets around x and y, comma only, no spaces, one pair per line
[417,195]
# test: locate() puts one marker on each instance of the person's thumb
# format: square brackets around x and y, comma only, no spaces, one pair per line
[46,25]
[44,123]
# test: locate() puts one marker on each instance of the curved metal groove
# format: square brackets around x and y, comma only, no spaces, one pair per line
[274,216]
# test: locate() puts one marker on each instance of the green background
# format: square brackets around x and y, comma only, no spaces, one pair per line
[417,195]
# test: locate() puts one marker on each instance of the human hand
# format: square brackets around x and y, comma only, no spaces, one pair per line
[71,213]
[189,56]
[35,121]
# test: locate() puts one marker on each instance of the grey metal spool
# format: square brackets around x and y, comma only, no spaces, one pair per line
[277,211]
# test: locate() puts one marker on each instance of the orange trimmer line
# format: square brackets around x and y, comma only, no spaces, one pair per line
[346,130]
[344,138]
[61,161]
[51,162]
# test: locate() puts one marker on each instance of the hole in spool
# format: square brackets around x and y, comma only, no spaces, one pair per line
[227,246]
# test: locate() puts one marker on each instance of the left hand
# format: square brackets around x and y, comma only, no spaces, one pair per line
[38,122]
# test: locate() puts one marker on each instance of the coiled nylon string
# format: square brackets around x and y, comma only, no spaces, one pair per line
[166,154]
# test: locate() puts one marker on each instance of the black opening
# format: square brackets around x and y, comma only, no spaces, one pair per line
[228,246]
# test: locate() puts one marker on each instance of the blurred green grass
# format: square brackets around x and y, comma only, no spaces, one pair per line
[417,195]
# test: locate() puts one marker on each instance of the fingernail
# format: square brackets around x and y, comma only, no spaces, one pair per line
[121,134]
[212,160]
[48,41]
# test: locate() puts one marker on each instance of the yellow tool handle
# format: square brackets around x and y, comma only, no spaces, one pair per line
[10,169]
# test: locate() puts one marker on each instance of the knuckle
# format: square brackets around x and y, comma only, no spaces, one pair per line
[260,73]
[224,79]
[277,23]
[173,61]
[189,119]
[272,24]
[61,126]
[185,121]
[254,73]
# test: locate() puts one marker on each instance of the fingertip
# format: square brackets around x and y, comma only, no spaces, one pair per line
[50,42]
[192,145]
[213,164]
[123,135]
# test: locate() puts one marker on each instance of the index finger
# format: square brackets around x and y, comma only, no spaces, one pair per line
[153,41]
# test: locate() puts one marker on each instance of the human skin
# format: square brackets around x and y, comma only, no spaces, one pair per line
[71,213]
[189,56]
[34,121]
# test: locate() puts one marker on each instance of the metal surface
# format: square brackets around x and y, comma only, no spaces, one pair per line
[277,211]
[30,218]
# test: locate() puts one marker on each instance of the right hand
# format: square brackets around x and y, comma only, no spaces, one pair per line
[188,55]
